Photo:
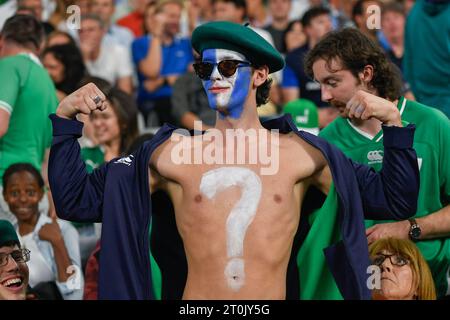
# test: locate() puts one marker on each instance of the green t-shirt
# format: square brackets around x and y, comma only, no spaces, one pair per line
[27,93]
[432,145]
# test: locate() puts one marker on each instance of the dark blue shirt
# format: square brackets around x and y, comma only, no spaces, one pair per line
[176,58]
[294,76]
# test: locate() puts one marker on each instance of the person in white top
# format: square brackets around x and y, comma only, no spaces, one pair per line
[105,10]
[54,243]
[104,59]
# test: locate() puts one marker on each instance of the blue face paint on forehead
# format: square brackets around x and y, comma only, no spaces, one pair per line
[230,100]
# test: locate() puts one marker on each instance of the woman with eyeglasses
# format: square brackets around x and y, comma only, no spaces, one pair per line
[13,268]
[404,273]
[54,268]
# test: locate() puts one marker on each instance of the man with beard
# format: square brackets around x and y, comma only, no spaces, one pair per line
[352,68]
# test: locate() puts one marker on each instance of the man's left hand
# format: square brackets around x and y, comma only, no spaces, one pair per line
[399,229]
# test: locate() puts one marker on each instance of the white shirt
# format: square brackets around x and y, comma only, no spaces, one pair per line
[113,62]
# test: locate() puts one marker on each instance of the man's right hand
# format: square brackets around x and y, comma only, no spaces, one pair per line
[85,100]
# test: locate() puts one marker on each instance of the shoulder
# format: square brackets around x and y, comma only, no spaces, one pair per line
[332,130]
[141,42]
[420,112]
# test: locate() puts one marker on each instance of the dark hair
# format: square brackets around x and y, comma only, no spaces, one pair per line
[393,7]
[263,92]
[138,141]
[10,243]
[354,51]
[21,167]
[60,33]
[124,107]
[240,4]
[95,17]
[312,13]
[74,68]
[358,8]
[24,30]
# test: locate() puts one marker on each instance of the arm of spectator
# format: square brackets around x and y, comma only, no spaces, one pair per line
[77,195]
[150,66]
[52,233]
[69,250]
[9,91]
[125,84]
[435,225]
[4,121]
[125,70]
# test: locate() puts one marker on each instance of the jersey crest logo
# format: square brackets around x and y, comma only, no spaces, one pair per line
[125,160]
[375,156]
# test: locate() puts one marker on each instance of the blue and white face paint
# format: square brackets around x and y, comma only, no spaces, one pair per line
[227,95]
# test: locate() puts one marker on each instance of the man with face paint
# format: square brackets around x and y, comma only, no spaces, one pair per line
[237,225]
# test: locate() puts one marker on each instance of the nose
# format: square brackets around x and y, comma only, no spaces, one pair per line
[386,265]
[326,95]
[23,197]
[215,75]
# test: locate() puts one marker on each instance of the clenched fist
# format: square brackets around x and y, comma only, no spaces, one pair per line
[364,105]
[85,100]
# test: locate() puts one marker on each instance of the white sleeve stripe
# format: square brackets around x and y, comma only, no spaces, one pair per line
[6,106]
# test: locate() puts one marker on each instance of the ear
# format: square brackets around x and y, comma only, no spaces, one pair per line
[41,194]
[366,75]
[260,75]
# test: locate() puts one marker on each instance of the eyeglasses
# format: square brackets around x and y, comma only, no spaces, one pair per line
[396,260]
[19,256]
[226,68]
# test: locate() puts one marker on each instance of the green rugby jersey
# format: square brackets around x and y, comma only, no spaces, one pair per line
[432,144]
[27,93]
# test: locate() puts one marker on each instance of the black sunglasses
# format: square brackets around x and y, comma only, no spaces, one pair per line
[226,68]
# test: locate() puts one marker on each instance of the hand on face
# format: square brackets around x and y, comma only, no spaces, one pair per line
[364,105]
[159,21]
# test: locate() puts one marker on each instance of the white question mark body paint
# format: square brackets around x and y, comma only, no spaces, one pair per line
[240,217]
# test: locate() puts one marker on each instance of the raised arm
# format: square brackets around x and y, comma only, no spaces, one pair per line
[77,195]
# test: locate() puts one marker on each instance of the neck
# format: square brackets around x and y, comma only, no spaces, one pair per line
[166,38]
[11,49]
[397,45]
[312,42]
[248,120]
[280,23]
[112,149]
[260,15]
[27,226]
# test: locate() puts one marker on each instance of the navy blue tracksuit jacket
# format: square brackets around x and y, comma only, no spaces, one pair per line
[118,195]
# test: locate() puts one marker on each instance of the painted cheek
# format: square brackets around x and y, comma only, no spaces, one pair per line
[211,97]
[240,92]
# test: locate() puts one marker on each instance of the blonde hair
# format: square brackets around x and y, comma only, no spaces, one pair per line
[423,280]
